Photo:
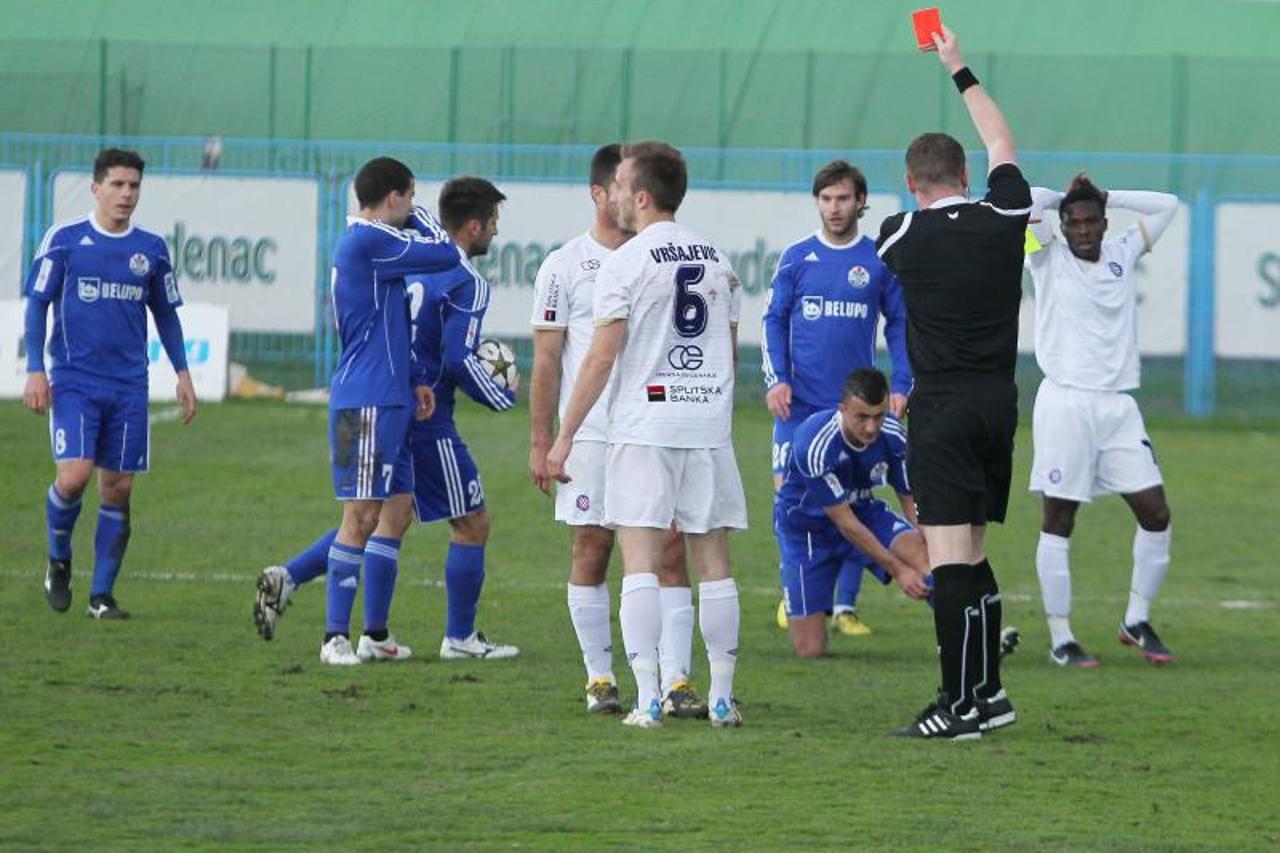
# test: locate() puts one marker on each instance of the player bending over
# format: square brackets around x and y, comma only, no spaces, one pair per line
[371,404]
[826,515]
[1088,433]
[665,295]
[562,327]
[101,275]
[824,307]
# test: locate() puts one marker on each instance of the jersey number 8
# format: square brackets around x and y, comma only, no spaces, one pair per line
[690,318]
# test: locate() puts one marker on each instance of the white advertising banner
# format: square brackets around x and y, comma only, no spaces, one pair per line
[205,329]
[1161,279]
[753,227]
[1247,274]
[243,242]
[13,206]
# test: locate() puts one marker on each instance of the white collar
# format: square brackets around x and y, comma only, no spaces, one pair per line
[93,220]
[949,201]
[839,247]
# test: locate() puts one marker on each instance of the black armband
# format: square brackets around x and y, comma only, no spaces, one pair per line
[964,79]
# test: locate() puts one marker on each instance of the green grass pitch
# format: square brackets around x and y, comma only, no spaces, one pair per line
[182,729]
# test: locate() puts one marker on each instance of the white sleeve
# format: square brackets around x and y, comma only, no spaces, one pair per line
[735,293]
[612,297]
[1041,229]
[551,295]
[1157,209]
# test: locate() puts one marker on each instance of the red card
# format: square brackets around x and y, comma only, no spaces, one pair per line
[926,22]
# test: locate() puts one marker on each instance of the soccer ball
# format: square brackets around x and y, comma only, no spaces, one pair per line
[500,361]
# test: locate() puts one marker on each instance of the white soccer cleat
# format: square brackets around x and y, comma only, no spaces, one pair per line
[370,649]
[650,718]
[337,652]
[725,715]
[475,647]
[275,588]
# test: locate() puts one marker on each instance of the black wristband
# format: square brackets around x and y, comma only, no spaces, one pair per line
[964,79]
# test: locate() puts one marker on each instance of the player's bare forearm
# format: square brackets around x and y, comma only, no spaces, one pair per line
[593,375]
[986,115]
[908,505]
[544,388]
[186,396]
[36,395]
[863,539]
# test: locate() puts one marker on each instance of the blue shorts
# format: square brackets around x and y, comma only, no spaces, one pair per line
[446,483]
[108,426]
[369,453]
[811,559]
[782,432]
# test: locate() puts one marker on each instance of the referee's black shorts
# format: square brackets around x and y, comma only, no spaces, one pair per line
[960,450]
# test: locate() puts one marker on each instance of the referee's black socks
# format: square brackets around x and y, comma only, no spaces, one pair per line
[988,602]
[957,623]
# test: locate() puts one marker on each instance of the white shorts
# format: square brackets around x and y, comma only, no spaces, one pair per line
[697,488]
[581,501]
[1089,443]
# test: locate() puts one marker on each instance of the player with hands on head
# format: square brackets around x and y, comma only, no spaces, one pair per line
[1087,431]
[101,274]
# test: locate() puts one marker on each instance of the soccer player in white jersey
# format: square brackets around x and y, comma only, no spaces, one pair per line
[1088,433]
[562,326]
[666,309]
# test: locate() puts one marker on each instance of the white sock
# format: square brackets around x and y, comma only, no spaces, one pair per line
[836,610]
[677,635]
[1150,563]
[1053,565]
[718,617]
[589,610]
[640,616]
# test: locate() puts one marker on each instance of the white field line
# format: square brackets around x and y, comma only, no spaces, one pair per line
[247,580]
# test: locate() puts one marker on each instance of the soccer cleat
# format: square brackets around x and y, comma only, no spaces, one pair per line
[683,702]
[782,615]
[995,712]
[370,649]
[275,589]
[57,585]
[475,647]
[935,722]
[1144,637]
[105,607]
[847,622]
[651,718]
[602,697]
[1010,637]
[725,715]
[337,652]
[1073,654]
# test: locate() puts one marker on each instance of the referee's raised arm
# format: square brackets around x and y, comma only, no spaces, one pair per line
[986,115]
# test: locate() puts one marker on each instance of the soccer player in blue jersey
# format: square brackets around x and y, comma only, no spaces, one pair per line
[826,515]
[372,402]
[101,275]
[447,310]
[824,308]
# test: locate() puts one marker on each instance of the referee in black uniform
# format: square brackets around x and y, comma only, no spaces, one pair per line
[960,266]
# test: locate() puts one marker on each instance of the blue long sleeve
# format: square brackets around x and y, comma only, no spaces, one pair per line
[895,335]
[37,310]
[170,329]
[461,337]
[775,341]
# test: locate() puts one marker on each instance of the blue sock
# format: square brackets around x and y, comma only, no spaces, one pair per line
[313,562]
[109,542]
[463,579]
[849,584]
[380,556]
[343,581]
[62,515]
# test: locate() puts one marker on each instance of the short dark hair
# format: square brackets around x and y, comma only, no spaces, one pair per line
[109,158]
[838,171]
[604,163]
[867,384]
[1083,192]
[660,170]
[935,159]
[379,178]
[466,198]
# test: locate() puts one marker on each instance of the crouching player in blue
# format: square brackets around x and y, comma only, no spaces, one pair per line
[371,404]
[101,274]
[826,515]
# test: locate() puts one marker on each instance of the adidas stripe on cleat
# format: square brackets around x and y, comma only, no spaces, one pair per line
[995,712]
[937,723]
